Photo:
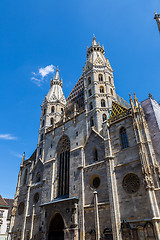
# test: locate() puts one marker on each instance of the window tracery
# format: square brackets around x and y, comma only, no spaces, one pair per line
[131,183]
[100,77]
[103,104]
[104,117]
[101,89]
[124,139]
[64,165]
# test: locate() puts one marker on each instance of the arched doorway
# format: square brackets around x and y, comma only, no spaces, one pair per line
[56,228]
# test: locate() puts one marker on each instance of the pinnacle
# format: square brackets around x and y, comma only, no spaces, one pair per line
[57,74]
[94,43]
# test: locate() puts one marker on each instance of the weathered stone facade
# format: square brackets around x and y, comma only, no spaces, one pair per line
[94,174]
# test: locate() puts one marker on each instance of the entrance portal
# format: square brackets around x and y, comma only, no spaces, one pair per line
[56,228]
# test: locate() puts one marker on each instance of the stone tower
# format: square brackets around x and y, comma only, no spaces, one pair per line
[99,89]
[51,111]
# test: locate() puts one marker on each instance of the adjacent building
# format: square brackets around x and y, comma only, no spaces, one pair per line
[5,216]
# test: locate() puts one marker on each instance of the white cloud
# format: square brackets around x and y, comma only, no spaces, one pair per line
[43,73]
[17,155]
[7,136]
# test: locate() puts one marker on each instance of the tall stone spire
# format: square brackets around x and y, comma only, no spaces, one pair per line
[51,110]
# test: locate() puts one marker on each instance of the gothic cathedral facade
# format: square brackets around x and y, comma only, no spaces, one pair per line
[95,172]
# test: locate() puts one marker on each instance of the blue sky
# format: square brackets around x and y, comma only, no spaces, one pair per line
[36,34]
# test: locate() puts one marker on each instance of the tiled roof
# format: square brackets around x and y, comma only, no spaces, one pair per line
[3,202]
[10,203]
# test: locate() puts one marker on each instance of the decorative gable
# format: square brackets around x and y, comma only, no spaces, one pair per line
[98,61]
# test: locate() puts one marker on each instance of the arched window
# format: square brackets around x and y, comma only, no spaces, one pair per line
[111,91]
[61,110]
[104,117]
[124,140]
[91,122]
[43,123]
[89,80]
[109,79]
[36,198]
[100,77]
[89,92]
[103,104]
[101,89]
[90,106]
[44,111]
[42,137]
[95,154]
[51,121]
[38,177]
[64,165]
[25,177]
[52,109]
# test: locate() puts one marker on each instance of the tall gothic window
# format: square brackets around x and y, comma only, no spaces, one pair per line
[101,89]
[104,117]
[91,122]
[25,177]
[109,79]
[100,77]
[51,121]
[89,92]
[124,140]
[95,154]
[89,80]
[90,106]
[52,109]
[103,104]
[64,165]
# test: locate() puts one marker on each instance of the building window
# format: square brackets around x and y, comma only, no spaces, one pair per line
[100,77]
[89,80]
[1,214]
[76,134]
[124,140]
[90,106]
[111,91]
[42,137]
[38,177]
[95,181]
[131,183]
[51,121]
[64,165]
[103,104]
[101,89]
[61,110]
[89,92]
[95,154]
[21,208]
[36,198]
[52,109]
[104,117]
[91,122]
[109,79]
[44,111]
[25,177]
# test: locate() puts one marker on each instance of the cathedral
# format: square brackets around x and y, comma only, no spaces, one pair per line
[95,173]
